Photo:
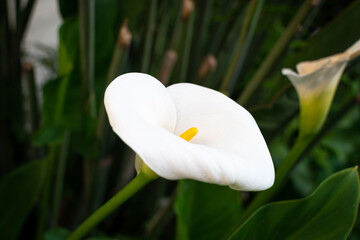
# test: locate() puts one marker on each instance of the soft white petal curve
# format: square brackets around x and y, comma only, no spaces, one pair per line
[139,95]
[326,77]
[142,112]
[135,97]
[239,156]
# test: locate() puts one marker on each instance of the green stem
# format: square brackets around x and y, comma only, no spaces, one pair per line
[46,192]
[275,53]
[162,33]
[246,46]
[114,70]
[110,206]
[189,25]
[177,31]
[149,37]
[87,46]
[200,35]
[33,98]
[225,35]
[60,176]
[117,66]
[244,30]
[301,146]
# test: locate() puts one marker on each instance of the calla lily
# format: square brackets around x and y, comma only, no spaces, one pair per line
[316,83]
[228,148]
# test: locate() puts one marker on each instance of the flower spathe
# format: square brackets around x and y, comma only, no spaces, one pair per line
[315,84]
[228,149]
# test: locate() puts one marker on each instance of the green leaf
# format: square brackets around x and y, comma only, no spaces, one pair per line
[205,211]
[19,190]
[56,233]
[328,213]
[68,55]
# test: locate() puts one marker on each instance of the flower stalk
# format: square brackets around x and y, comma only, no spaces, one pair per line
[275,53]
[60,175]
[149,37]
[239,46]
[188,17]
[142,179]
[121,47]
[45,198]
[87,52]
[301,147]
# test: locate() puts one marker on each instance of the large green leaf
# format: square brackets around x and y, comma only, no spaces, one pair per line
[205,211]
[18,192]
[328,213]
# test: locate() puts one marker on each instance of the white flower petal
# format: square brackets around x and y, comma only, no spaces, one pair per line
[228,150]
[138,95]
[133,99]
[230,130]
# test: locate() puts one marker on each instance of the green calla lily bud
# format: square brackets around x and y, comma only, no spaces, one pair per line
[315,84]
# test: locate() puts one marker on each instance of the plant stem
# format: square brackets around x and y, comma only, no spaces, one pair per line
[117,66]
[275,53]
[189,26]
[32,96]
[199,46]
[149,37]
[161,39]
[238,49]
[110,206]
[87,47]
[46,192]
[113,72]
[302,145]
[177,31]
[246,45]
[60,177]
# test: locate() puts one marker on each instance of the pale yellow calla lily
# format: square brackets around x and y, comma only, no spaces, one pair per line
[316,83]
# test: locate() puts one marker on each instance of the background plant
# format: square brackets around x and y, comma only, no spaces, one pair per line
[60,161]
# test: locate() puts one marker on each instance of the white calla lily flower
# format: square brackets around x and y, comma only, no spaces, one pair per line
[316,83]
[228,148]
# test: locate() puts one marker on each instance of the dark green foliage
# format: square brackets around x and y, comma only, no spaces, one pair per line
[94,162]
[328,213]
[206,211]
[19,191]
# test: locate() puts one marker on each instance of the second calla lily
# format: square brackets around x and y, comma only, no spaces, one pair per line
[227,147]
[316,83]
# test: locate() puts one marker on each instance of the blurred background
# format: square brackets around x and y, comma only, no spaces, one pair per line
[57,57]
